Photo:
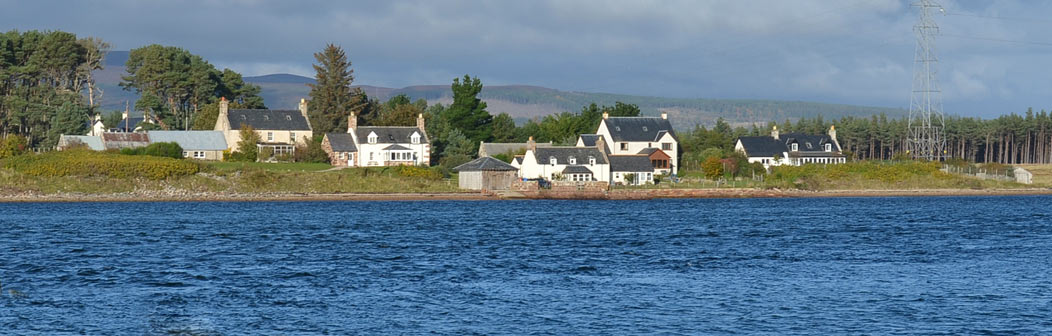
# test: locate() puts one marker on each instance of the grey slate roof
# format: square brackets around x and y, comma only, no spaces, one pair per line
[341,142]
[280,120]
[630,163]
[767,146]
[491,148]
[589,139]
[576,170]
[93,142]
[562,155]
[390,134]
[397,147]
[191,140]
[638,128]
[485,163]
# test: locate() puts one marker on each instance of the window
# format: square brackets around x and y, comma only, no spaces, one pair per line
[372,138]
[667,146]
[795,147]
[573,160]
[808,145]
[624,146]
[199,155]
[591,160]
[370,156]
[829,147]
[644,128]
[270,136]
[292,136]
[288,117]
[266,117]
[416,138]
[552,160]
[186,154]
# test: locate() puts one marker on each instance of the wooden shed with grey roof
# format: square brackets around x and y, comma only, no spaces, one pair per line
[486,173]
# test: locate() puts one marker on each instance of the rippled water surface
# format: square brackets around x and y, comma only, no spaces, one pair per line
[744,266]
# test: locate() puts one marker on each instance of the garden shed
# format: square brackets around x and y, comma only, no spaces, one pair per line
[486,173]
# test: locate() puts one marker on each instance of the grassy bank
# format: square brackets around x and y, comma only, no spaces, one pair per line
[862,175]
[110,173]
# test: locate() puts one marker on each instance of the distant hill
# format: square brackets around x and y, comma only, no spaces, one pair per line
[523,102]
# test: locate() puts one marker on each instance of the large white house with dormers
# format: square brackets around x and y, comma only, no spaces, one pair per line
[648,136]
[579,164]
[370,146]
[791,148]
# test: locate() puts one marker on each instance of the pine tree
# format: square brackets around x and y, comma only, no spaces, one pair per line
[331,97]
[468,112]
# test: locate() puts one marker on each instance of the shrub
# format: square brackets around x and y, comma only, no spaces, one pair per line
[419,172]
[159,149]
[13,145]
[90,163]
[713,167]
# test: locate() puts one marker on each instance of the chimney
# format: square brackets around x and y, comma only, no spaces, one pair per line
[606,115]
[352,123]
[530,145]
[774,132]
[420,122]
[664,115]
[832,133]
[223,121]
[303,111]
[600,144]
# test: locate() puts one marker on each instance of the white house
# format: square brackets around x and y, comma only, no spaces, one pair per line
[378,145]
[631,169]
[791,148]
[564,163]
[650,136]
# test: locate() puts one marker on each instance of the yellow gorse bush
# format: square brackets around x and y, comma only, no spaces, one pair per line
[90,163]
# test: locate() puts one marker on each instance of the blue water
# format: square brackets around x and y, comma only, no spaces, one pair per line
[951,266]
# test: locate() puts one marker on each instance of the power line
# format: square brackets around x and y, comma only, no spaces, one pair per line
[1006,18]
[1047,44]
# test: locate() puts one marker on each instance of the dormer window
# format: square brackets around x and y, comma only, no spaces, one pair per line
[591,160]
[415,138]
[794,147]
[829,147]
[552,160]
[372,138]
[573,160]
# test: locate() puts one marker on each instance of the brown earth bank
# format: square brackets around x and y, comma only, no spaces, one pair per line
[633,194]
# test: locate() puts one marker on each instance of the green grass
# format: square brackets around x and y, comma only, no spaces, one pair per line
[278,166]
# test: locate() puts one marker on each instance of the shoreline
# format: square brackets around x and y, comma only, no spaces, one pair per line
[621,194]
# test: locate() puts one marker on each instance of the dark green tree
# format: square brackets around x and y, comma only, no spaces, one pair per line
[504,128]
[332,98]
[468,112]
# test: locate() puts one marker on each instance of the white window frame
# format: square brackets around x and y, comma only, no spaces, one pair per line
[415,138]
[270,136]
[292,136]
[199,155]
[573,160]
[553,161]
[795,147]
[372,138]
[829,147]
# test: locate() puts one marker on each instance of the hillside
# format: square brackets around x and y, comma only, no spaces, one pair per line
[525,102]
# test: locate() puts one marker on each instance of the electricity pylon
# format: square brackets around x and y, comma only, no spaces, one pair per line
[927,123]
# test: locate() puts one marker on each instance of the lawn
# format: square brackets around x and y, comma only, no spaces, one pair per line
[277,167]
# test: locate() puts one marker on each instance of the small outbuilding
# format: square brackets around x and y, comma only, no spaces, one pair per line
[486,173]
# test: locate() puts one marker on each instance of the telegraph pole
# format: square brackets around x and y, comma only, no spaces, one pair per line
[927,122]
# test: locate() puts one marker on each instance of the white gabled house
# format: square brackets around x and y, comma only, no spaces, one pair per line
[653,137]
[370,146]
[791,148]
[579,164]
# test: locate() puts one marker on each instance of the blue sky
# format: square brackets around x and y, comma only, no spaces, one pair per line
[994,54]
